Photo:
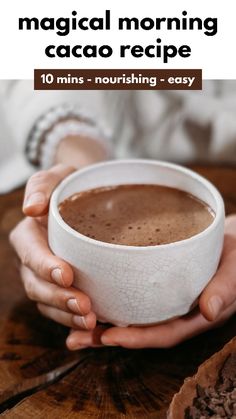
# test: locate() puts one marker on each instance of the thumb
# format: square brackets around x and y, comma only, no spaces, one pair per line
[40,187]
[221,291]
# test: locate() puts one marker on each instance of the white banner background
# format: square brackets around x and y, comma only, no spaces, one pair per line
[22,51]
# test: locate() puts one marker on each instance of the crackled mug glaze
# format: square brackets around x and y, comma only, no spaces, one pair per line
[139,285]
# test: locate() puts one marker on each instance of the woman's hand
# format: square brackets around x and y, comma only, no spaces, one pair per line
[216,304]
[46,278]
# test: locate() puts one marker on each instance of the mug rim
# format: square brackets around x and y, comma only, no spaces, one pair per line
[54,210]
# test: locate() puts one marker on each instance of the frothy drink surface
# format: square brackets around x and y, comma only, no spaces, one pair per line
[136,215]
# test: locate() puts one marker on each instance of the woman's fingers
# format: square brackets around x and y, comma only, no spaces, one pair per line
[79,339]
[30,242]
[221,291]
[69,299]
[163,335]
[39,189]
[160,336]
[70,320]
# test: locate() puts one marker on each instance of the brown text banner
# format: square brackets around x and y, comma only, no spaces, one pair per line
[116,79]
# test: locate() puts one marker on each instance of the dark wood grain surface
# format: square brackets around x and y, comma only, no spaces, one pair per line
[39,378]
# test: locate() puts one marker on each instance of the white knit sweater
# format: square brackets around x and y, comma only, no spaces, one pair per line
[178,126]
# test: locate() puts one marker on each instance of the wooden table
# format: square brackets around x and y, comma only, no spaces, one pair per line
[39,378]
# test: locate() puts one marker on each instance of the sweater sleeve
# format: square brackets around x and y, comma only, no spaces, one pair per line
[217,110]
[23,106]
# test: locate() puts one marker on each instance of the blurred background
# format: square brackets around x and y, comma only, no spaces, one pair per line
[179,126]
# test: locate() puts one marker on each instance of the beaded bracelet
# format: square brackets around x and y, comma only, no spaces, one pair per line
[56,124]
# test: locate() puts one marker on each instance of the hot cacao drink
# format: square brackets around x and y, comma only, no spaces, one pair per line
[136,215]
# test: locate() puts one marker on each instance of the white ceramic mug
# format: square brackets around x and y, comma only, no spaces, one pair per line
[139,285]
